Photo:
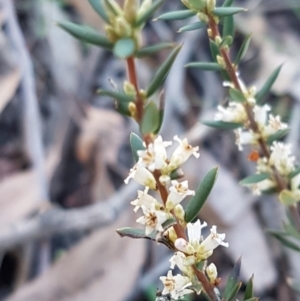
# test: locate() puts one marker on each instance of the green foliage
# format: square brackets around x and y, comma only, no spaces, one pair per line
[176,15]
[227,11]
[233,285]
[255,179]
[85,34]
[151,119]
[192,26]
[249,289]
[228,27]
[162,72]
[205,66]
[267,86]
[237,96]
[278,135]
[136,144]
[124,48]
[99,8]
[195,204]
[222,125]
[283,238]
[243,50]
[148,51]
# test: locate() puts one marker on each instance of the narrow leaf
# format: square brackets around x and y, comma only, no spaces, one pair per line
[237,96]
[267,86]
[135,233]
[195,204]
[176,15]
[234,291]
[169,223]
[117,95]
[243,50]
[255,179]
[291,230]
[205,66]
[124,48]
[227,3]
[162,72]
[147,14]
[223,125]
[192,26]
[232,281]
[249,289]
[85,34]
[214,49]
[150,121]
[279,134]
[147,51]
[227,11]
[99,8]
[136,144]
[228,27]
[285,241]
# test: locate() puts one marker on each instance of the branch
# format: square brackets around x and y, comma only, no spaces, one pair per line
[57,220]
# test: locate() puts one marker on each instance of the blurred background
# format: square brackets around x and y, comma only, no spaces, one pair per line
[64,153]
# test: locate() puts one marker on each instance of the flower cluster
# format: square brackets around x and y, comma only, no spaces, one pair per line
[153,168]
[193,251]
[267,127]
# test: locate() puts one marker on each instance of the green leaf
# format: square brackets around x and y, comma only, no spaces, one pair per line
[249,289]
[214,49]
[234,291]
[192,26]
[228,27]
[243,50]
[227,3]
[287,198]
[124,48]
[169,223]
[195,204]
[255,179]
[147,14]
[227,41]
[162,72]
[201,265]
[136,144]
[176,15]
[237,96]
[267,86]
[116,95]
[147,51]
[85,34]
[150,121]
[205,66]
[227,11]
[279,134]
[99,8]
[135,233]
[223,125]
[291,230]
[233,285]
[285,241]
[176,174]
[294,284]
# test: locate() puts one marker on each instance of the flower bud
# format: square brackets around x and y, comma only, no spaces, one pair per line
[144,7]
[179,212]
[122,27]
[221,61]
[129,88]
[212,272]
[110,33]
[183,246]
[202,17]
[132,109]
[211,5]
[131,8]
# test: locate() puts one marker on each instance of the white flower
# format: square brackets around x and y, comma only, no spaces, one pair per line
[263,165]
[155,156]
[178,191]
[176,286]
[235,112]
[245,137]
[261,115]
[183,262]
[142,176]
[211,242]
[153,219]
[144,199]
[274,125]
[182,153]
[281,158]
[212,272]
